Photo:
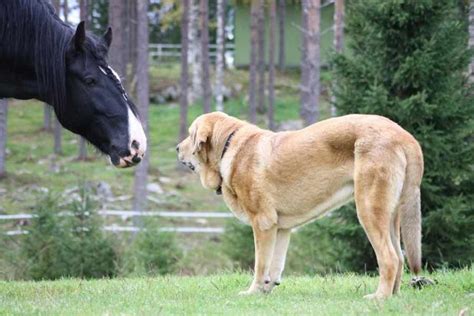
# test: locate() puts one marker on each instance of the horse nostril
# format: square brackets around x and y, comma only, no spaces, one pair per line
[135,145]
[177,149]
[136,159]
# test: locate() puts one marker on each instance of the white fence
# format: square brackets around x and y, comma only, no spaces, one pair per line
[159,52]
[124,215]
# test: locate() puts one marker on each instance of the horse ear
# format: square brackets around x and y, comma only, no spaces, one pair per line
[80,36]
[108,37]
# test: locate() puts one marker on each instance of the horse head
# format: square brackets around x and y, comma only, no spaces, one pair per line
[96,105]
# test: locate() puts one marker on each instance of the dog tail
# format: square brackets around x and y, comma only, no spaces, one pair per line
[410,209]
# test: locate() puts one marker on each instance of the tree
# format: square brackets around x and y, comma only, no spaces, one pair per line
[281,33]
[66,10]
[311,63]
[338,40]
[271,66]
[3,135]
[183,101]
[471,40]
[261,108]
[47,115]
[220,56]
[408,63]
[195,50]
[57,128]
[253,61]
[205,80]
[84,16]
[132,44]
[84,12]
[141,171]
[118,48]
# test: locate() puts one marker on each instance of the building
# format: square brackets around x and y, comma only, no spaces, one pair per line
[292,34]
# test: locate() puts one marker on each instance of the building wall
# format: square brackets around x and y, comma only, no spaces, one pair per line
[292,33]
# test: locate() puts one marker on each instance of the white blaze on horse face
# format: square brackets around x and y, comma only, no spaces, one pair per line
[136,133]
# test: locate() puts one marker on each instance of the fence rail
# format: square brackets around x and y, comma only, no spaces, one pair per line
[173,51]
[123,214]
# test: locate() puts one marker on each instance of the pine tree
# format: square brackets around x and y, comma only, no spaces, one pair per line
[408,61]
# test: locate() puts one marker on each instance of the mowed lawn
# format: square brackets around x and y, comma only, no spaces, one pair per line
[316,295]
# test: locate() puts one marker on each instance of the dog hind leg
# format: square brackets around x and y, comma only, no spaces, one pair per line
[377,188]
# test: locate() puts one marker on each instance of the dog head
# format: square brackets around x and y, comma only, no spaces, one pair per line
[201,151]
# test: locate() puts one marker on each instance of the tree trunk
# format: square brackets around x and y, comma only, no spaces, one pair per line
[66,11]
[224,37]
[3,136]
[219,56]
[183,100]
[471,40]
[118,48]
[253,62]
[84,12]
[338,42]
[194,53]
[310,109]
[141,171]
[281,32]
[271,66]
[47,114]
[304,62]
[57,128]
[58,147]
[132,51]
[261,108]
[205,79]
[84,16]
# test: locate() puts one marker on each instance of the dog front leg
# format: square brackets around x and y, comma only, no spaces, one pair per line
[264,239]
[279,257]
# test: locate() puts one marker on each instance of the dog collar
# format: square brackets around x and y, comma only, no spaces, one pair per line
[226,146]
[227,143]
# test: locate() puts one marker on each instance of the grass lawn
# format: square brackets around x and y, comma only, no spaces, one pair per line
[218,294]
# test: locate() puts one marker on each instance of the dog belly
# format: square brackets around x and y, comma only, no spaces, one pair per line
[297,218]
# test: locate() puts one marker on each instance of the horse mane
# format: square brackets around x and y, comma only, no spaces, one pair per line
[32,34]
[35,35]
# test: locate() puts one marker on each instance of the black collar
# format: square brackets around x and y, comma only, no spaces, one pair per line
[226,146]
[227,143]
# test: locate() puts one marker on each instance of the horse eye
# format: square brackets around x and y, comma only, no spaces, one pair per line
[90,81]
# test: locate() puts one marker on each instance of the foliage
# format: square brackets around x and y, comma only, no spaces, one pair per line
[408,61]
[58,245]
[218,295]
[153,252]
[92,254]
[237,244]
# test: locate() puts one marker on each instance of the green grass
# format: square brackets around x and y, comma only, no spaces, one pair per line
[218,294]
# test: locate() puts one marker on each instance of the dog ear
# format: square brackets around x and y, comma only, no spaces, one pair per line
[199,138]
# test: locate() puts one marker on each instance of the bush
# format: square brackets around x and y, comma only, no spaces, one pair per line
[67,246]
[238,244]
[153,252]
[408,61]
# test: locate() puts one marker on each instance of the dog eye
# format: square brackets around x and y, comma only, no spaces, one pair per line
[90,81]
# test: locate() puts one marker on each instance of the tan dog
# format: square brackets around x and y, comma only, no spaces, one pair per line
[279,181]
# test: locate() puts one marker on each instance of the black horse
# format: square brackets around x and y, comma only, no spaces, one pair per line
[43,58]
